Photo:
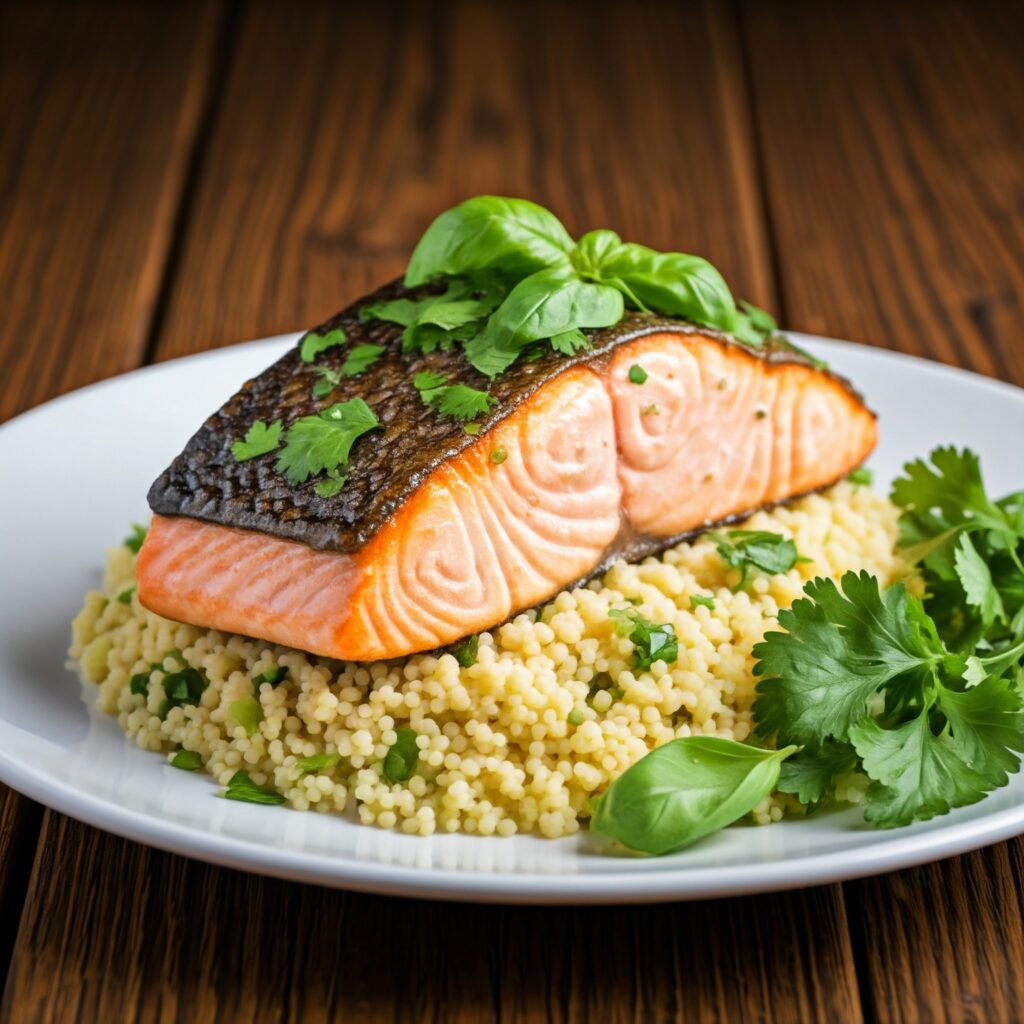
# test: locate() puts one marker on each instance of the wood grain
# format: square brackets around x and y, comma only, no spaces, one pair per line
[323,171]
[319,175]
[119,932]
[91,169]
[894,171]
[93,153]
[893,155]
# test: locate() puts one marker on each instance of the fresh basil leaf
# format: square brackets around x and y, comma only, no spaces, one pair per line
[672,283]
[593,252]
[547,303]
[400,760]
[685,790]
[487,232]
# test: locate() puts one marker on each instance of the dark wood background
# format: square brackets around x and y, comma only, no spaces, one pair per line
[175,177]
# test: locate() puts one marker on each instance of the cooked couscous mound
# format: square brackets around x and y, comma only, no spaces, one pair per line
[520,741]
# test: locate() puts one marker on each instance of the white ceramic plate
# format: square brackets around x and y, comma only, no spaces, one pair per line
[74,473]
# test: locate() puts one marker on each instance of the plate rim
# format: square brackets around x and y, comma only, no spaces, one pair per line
[893,852]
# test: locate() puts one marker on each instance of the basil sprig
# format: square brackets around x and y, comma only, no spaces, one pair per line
[685,790]
[543,286]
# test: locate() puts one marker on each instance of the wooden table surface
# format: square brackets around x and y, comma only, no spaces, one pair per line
[178,177]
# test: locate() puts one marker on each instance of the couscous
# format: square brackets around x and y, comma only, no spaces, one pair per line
[545,713]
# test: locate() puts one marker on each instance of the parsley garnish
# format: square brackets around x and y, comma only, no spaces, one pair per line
[755,549]
[139,684]
[651,641]
[183,687]
[457,400]
[704,600]
[125,597]
[259,440]
[242,788]
[400,760]
[187,761]
[637,374]
[360,358]
[316,443]
[133,542]
[313,344]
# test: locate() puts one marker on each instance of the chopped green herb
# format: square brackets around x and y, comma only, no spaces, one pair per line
[313,344]
[242,788]
[570,342]
[466,652]
[183,687]
[246,712]
[755,549]
[259,440]
[637,374]
[457,400]
[400,760]
[275,676]
[316,443]
[575,717]
[499,455]
[329,380]
[861,477]
[315,764]
[360,358]
[139,684]
[133,542]
[472,429]
[125,597]
[651,641]
[703,600]
[684,790]
[187,761]
[332,485]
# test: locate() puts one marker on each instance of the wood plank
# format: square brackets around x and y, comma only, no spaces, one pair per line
[894,159]
[121,932]
[324,171]
[321,173]
[101,103]
[894,167]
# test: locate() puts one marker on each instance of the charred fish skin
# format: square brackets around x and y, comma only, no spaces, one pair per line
[205,482]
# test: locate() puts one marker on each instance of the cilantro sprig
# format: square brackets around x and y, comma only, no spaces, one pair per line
[652,641]
[747,550]
[457,400]
[314,444]
[922,694]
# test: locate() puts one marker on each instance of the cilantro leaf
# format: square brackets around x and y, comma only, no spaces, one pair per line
[125,597]
[133,542]
[755,549]
[242,788]
[457,400]
[329,487]
[810,775]
[360,358]
[316,443]
[916,774]
[976,579]
[570,342]
[313,344]
[838,651]
[702,600]
[651,641]
[400,760]
[259,440]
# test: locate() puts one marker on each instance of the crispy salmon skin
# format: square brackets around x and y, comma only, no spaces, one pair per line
[439,533]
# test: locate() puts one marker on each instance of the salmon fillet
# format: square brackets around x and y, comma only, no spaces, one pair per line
[435,536]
